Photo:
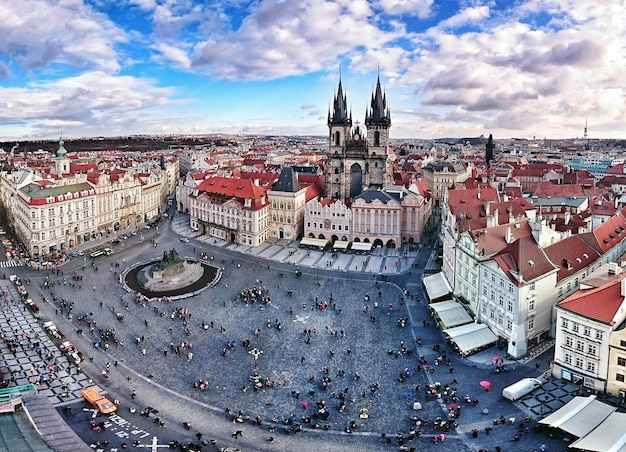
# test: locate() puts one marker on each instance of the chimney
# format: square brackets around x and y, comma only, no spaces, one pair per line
[623,287]
[487,208]
[508,238]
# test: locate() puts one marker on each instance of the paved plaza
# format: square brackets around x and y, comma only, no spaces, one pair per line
[310,353]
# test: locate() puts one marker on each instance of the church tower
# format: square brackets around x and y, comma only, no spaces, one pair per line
[61,162]
[357,160]
[378,122]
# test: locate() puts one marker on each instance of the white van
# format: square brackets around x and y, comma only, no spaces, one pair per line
[521,388]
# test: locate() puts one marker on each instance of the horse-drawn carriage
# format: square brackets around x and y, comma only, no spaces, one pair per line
[70,350]
[52,330]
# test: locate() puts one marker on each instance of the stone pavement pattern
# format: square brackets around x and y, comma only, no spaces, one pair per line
[168,380]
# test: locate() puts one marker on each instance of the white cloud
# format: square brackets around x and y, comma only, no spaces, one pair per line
[38,33]
[90,99]
[419,8]
[466,16]
[280,39]
[520,77]
[174,55]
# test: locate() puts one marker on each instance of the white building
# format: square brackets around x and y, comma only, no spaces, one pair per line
[585,322]
[231,209]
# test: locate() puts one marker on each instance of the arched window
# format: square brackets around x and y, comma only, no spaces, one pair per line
[377,138]
[337,138]
[336,170]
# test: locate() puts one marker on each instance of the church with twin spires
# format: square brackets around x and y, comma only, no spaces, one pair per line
[358,159]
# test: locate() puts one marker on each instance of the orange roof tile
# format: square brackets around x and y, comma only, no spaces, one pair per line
[598,303]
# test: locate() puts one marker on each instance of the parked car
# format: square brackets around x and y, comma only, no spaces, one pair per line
[98,401]
[73,254]
[184,239]
[521,388]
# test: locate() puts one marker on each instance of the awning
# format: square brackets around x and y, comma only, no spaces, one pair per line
[450,314]
[341,245]
[361,246]
[437,286]
[310,241]
[609,436]
[580,416]
[471,337]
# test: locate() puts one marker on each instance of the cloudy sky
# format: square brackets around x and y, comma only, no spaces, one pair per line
[514,68]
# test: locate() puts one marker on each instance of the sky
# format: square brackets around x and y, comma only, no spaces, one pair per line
[449,68]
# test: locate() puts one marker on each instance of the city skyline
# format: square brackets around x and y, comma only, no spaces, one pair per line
[451,68]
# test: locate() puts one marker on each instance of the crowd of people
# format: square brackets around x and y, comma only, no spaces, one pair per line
[335,392]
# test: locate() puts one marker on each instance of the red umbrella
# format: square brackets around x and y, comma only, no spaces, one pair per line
[485,384]
[496,358]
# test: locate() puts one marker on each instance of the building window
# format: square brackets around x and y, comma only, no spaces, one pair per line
[579,363]
[580,346]
[531,305]
[587,331]
[569,342]
[592,349]
[564,323]
[622,343]
[560,291]
[510,306]
[568,359]
[599,335]
[619,377]
[576,327]
[621,361]
[531,324]
[591,367]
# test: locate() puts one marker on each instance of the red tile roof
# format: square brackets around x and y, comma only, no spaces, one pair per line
[548,189]
[235,188]
[524,257]
[608,234]
[571,255]
[598,303]
[471,197]
[493,240]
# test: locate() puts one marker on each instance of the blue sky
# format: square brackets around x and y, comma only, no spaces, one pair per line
[450,68]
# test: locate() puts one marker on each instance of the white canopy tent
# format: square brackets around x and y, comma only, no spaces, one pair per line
[609,436]
[341,245]
[312,242]
[471,337]
[361,246]
[450,314]
[580,416]
[437,286]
